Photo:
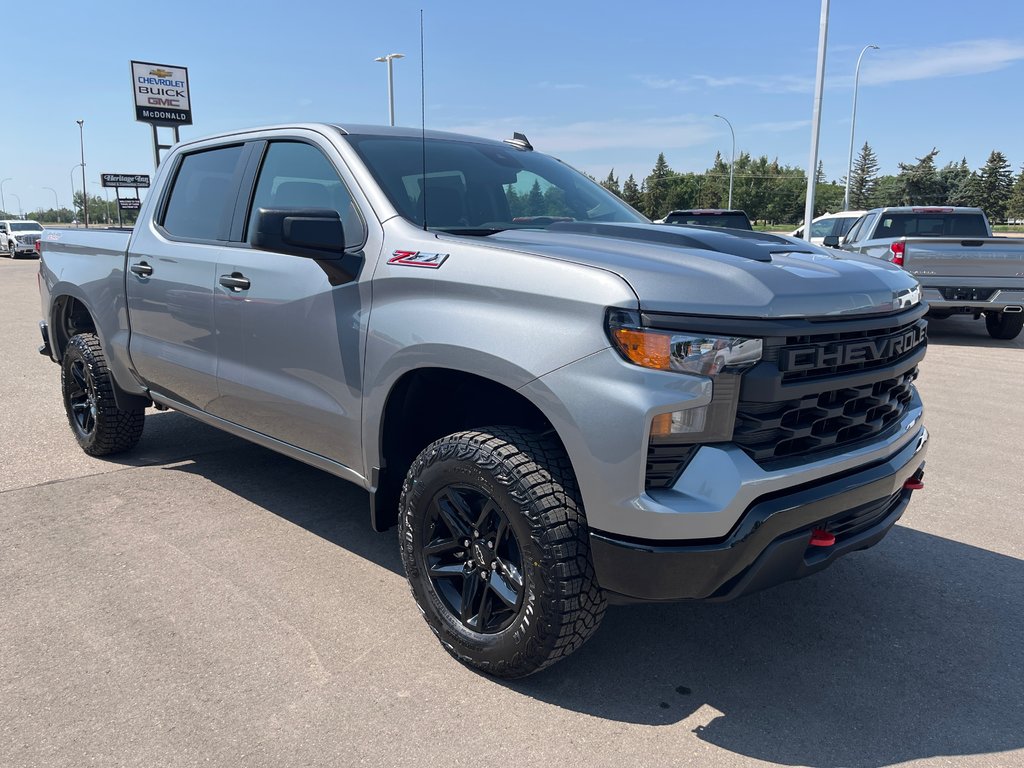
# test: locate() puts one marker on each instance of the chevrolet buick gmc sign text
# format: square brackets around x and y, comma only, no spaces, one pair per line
[161,94]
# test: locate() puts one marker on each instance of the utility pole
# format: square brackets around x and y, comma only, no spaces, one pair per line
[819,88]
[85,191]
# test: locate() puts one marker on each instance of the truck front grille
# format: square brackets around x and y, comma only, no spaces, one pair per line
[820,421]
[828,390]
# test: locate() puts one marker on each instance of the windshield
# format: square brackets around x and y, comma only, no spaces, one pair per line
[25,226]
[477,188]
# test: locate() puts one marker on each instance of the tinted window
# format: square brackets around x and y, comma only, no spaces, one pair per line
[893,225]
[823,228]
[481,187]
[845,225]
[297,175]
[26,226]
[203,195]
[731,220]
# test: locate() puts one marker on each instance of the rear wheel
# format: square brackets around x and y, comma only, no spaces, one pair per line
[100,427]
[1001,325]
[496,548]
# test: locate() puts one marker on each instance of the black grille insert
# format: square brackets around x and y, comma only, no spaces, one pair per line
[823,420]
[666,462]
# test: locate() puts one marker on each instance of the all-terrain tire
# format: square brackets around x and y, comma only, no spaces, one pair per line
[526,482]
[1001,325]
[100,427]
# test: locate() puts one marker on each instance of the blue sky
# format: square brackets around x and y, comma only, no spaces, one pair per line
[596,84]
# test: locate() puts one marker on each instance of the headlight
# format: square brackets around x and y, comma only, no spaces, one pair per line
[675,351]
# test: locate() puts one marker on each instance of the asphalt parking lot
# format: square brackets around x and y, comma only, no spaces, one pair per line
[206,601]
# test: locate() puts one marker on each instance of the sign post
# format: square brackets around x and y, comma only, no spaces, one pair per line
[161,98]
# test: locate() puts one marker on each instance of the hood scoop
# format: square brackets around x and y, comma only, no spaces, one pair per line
[756,246]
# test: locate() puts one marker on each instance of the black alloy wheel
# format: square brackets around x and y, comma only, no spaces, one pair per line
[473,558]
[81,399]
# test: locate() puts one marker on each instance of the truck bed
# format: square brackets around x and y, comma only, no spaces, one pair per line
[968,274]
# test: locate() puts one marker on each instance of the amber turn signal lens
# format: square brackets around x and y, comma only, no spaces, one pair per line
[645,348]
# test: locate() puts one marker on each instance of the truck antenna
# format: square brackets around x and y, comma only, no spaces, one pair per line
[423,126]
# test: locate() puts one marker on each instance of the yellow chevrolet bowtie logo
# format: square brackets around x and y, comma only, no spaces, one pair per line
[161,72]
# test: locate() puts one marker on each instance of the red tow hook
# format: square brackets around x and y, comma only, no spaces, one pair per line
[915,483]
[822,538]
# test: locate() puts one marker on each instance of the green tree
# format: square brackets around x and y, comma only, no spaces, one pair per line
[920,181]
[952,177]
[1015,207]
[657,188]
[864,178]
[996,184]
[612,183]
[631,193]
[535,205]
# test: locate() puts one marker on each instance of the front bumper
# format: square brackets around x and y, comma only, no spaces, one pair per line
[770,543]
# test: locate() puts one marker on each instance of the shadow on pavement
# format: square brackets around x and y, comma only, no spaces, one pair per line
[909,651]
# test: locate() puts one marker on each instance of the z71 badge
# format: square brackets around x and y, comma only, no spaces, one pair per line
[418,259]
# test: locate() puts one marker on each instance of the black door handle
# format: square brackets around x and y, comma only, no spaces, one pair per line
[235,281]
[142,269]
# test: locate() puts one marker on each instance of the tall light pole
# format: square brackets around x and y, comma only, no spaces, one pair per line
[853,125]
[21,213]
[732,163]
[391,81]
[73,167]
[85,192]
[819,90]
[3,205]
[56,202]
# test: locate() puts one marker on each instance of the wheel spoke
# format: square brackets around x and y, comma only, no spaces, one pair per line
[504,589]
[499,537]
[455,512]
[486,606]
[485,512]
[81,405]
[78,375]
[442,547]
[447,571]
[471,589]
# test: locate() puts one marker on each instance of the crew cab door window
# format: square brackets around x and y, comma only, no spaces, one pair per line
[203,196]
[297,175]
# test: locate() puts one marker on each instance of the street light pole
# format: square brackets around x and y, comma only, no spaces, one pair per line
[389,59]
[819,89]
[853,125]
[73,167]
[21,212]
[56,202]
[3,205]
[85,192]
[732,162]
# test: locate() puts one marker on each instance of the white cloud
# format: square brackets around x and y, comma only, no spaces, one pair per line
[782,126]
[767,84]
[657,134]
[969,57]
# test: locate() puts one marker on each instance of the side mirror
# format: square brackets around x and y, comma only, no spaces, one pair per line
[831,241]
[314,233]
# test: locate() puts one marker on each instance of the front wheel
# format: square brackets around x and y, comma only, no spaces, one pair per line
[12,250]
[496,548]
[100,427]
[1001,325]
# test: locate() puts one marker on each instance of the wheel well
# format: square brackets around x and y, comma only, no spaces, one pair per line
[70,317]
[429,403]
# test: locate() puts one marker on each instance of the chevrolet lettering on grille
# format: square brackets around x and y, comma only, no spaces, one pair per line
[838,353]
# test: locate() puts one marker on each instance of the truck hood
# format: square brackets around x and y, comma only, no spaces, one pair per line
[732,273]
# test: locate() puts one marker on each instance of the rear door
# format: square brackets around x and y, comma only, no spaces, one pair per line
[171,275]
[291,328]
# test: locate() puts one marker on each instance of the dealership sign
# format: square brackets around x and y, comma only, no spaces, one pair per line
[161,94]
[125,180]
[129,203]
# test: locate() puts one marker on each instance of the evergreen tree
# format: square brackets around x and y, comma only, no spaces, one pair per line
[631,193]
[864,178]
[968,193]
[1015,207]
[996,184]
[952,177]
[920,181]
[612,183]
[535,205]
[657,187]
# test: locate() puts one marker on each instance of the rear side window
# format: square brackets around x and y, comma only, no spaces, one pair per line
[298,175]
[931,225]
[203,195]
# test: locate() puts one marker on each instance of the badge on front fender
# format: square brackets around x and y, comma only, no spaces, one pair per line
[418,259]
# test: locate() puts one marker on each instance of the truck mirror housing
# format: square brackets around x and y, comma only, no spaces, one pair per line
[831,241]
[314,233]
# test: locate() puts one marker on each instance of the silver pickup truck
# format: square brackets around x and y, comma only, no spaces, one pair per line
[962,268]
[558,403]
